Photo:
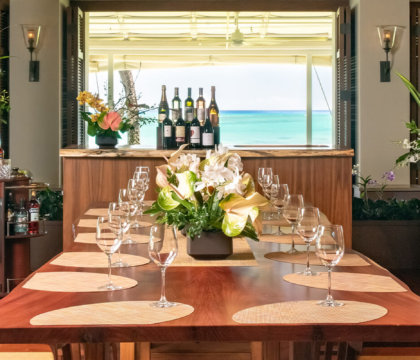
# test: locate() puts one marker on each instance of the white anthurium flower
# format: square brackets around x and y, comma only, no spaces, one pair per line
[235,163]
[406,144]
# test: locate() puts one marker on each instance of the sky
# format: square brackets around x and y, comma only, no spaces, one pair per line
[239,87]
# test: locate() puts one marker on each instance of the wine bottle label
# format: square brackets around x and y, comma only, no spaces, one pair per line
[162,117]
[214,119]
[167,131]
[33,214]
[180,133]
[189,114]
[201,113]
[195,134]
[175,115]
[208,139]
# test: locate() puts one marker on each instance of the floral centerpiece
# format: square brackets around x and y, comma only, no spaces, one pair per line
[207,195]
[105,122]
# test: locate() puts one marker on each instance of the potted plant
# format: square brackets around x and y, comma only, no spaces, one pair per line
[106,123]
[388,231]
[210,199]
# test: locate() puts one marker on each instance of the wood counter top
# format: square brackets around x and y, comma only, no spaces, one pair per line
[257,152]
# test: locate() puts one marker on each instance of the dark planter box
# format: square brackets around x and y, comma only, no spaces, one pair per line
[210,245]
[394,244]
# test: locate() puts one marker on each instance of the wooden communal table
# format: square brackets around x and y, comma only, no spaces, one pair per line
[216,293]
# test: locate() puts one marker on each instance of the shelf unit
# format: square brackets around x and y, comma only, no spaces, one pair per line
[15,249]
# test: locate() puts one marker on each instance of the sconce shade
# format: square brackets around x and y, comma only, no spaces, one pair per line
[389,36]
[31,36]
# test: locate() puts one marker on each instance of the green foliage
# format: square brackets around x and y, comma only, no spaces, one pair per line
[386,210]
[195,218]
[51,204]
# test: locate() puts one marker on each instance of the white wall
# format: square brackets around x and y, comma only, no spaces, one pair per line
[382,107]
[35,106]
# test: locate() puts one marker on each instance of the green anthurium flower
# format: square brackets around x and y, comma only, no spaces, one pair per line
[248,181]
[165,199]
[237,210]
[186,181]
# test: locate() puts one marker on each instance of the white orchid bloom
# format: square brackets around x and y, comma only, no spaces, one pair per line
[406,144]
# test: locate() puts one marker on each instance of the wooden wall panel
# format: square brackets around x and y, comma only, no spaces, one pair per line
[324,182]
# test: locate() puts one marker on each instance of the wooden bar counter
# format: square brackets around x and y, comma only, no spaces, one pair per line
[322,175]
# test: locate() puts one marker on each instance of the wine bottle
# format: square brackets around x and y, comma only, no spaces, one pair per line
[176,106]
[33,214]
[214,116]
[195,133]
[189,115]
[201,107]
[167,127]
[207,134]
[163,113]
[21,219]
[180,131]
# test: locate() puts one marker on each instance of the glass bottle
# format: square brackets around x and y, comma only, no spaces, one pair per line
[21,219]
[163,113]
[201,107]
[195,133]
[34,214]
[189,115]
[214,116]
[10,207]
[180,131]
[176,106]
[167,142]
[207,135]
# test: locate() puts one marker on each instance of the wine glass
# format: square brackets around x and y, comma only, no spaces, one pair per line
[108,238]
[330,249]
[163,248]
[114,212]
[291,213]
[133,194]
[278,196]
[144,169]
[262,172]
[307,228]
[129,206]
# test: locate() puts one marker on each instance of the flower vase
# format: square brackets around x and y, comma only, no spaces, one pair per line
[106,142]
[210,245]
[134,135]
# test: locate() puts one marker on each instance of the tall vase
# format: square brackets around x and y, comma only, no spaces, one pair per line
[134,135]
[210,245]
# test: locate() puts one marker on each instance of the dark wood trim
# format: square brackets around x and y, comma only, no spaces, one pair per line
[209,5]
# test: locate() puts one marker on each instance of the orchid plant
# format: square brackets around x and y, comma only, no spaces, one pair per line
[207,195]
[104,120]
[413,146]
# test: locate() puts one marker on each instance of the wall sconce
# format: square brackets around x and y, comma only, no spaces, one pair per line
[389,37]
[31,37]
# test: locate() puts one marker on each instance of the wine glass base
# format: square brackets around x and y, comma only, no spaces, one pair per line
[292,251]
[120,264]
[128,242]
[109,287]
[308,273]
[163,304]
[330,303]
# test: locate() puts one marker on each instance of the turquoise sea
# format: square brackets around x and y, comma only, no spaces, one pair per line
[243,127]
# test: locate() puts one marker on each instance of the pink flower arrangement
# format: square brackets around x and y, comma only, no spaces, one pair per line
[111,120]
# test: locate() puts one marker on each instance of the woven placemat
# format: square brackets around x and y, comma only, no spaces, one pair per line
[308,312]
[283,222]
[281,239]
[242,255]
[66,281]
[90,238]
[300,258]
[95,259]
[347,282]
[91,223]
[112,313]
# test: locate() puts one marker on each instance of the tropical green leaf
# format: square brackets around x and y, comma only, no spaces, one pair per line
[91,130]
[414,92]
[165,199]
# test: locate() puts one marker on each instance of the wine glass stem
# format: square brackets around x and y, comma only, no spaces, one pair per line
[329,282]
[293,238]
[109,269]
[162,289]
[307,257]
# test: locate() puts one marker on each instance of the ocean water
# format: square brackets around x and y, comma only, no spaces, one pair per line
[256,127]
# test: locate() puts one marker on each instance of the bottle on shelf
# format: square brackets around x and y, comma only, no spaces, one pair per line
[180,131]
[201,107]
[1,151]
[10,207]
[163,113]
[189,114]
[176,106]
[195,133]
[214,116]
[21,220]
[33,214]
[207,135]
[167,142]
